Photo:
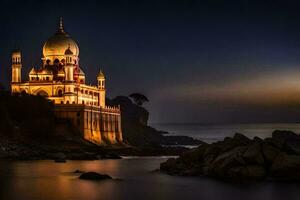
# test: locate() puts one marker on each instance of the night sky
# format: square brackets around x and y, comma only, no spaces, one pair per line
[214,62]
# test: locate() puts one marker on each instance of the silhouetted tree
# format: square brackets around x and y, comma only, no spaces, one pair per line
[138,98]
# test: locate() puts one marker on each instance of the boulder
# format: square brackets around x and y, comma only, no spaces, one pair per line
[58,156]
[227,160]
[169,166]
[269,152]
[77,171]
[94,176]
[253,154]
[230,143]
[289,140]
[249,172]
[241,158]
[286,166]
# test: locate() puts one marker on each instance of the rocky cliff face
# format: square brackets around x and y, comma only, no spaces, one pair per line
[239,157]
[137,132]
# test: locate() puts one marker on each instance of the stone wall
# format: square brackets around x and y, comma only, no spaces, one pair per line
[98,125]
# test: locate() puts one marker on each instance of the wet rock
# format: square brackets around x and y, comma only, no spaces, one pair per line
[253,154]
[269,152]
[227,160]
[286,167]
[77,171]
[242,158]
[94,176]
[249,172]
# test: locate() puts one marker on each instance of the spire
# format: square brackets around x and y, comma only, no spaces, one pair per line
[61,26]
[100,75]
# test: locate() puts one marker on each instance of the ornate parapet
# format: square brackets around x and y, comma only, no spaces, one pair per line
[111,109]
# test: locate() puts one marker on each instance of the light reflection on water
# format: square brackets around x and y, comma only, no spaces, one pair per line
[47,180]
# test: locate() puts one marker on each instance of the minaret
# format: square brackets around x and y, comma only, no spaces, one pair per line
[69,67]
[69,94]
[16,66]
[101,87]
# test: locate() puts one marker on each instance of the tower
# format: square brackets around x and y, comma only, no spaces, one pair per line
[101,87]
[69,94]
[16,66]
[69,67]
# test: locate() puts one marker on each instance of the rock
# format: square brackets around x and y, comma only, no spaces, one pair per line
[286,167]
[269,152]
[230,143]
[169,166]
[241,158]
[253,154]
[77,171]
[241,139]
[289,141]
[58,156]
[283,135]
[227,160]
[60,161]
[94,176]
[249,172]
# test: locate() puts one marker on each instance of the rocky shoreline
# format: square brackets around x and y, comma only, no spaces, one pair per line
[241,158]
[75,149]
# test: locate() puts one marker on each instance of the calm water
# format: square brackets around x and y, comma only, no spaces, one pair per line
[46,180]
[212,133]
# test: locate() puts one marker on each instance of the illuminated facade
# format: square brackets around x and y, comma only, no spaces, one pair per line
[61,80]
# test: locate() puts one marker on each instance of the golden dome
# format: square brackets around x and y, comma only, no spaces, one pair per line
[59,42]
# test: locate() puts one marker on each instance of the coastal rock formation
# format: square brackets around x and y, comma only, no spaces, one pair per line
[94,176]
[136,130]
[239,157]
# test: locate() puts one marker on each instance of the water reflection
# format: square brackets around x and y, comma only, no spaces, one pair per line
[47,180]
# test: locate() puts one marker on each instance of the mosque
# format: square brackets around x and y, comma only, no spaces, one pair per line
[61,80]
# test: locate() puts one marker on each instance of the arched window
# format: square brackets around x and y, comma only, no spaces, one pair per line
[56,62]
[42,93]
[60,93]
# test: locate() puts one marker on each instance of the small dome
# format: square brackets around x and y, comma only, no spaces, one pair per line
[100,75]
[57,44]
[16,51]
[68,51]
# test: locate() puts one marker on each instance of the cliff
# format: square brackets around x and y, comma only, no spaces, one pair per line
[29,130]
[136,130]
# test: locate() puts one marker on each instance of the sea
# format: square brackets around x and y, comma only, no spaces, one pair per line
[137,177]
[210,133]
